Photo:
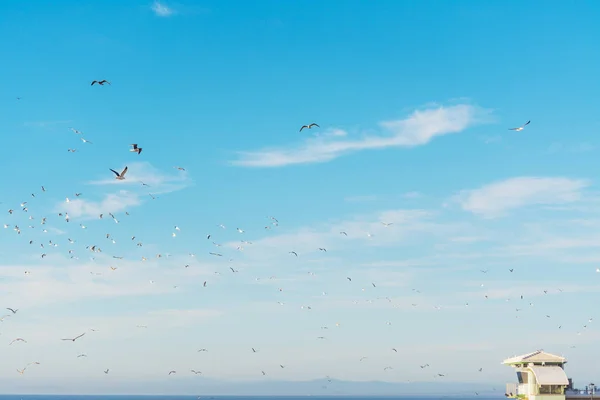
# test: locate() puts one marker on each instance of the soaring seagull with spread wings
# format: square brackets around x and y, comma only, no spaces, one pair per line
[75,338]
[309,126]
[120,176]
[520,128]
[101,83]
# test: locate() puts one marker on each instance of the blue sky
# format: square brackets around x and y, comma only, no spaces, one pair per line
[414,101]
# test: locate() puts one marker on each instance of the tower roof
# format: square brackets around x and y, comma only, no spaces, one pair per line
[538,356]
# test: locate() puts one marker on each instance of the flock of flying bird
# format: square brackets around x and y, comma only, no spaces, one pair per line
[121,176]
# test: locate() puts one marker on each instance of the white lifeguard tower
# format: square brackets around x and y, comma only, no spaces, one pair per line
[541,376]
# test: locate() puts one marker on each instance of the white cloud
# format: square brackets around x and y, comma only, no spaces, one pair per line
[181,317]
[112,203]
[492,139]
[114,326]
[466,239]
[416,130]
[510,290]
[582,147]
[496,199]
[66,280]
[412,195]
[408,227]
[139,172]
[162,10]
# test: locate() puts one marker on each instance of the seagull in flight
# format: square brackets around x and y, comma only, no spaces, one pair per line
[520,128]
[75,338]
[120,176]
[309,126]
[101,83]
[11,310]
[136,149]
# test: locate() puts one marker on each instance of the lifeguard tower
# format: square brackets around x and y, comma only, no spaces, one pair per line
[541,376]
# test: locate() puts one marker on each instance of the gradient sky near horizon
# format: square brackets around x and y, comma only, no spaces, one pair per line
[414,101]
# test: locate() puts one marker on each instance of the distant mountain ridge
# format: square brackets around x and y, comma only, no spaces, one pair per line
[206,387]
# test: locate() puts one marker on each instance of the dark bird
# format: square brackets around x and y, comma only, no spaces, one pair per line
[11,310]
[101,83]
[294,253]
[75,338]
[120,176]
[136,149]
[309,126]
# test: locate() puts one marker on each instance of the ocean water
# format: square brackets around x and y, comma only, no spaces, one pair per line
[175,397]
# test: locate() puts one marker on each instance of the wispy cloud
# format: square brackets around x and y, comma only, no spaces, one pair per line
[510,290]
[63,280]
[368,230]
[558,147]
[162,10]
[139,172]
[418,129]
[412,195]
[496,199]
[491,139]
[157,182]
[42,329]
[112,203]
